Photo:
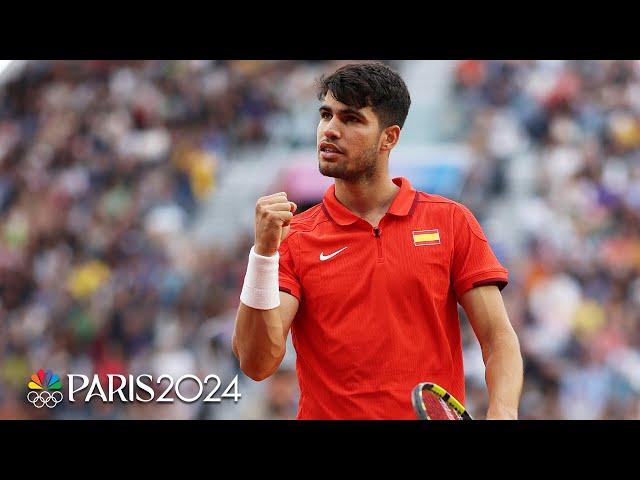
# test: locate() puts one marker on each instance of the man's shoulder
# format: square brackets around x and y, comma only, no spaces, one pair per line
[437,204]
[461,216]
[429,199]
[309,219]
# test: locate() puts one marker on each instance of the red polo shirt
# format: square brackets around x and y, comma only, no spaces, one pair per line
[378,306]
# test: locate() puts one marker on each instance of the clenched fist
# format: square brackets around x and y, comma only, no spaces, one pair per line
[273,215]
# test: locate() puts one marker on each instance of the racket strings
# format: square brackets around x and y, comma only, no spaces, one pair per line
[437,408]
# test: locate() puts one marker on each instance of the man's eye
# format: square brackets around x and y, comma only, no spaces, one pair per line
[325,115]
[351,119]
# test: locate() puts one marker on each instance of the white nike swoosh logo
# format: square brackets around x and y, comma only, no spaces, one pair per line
[327,257]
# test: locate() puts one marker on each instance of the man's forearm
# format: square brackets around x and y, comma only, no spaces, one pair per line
[259,340]
[504,375]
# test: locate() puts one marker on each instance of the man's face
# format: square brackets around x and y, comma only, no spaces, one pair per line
[348,140]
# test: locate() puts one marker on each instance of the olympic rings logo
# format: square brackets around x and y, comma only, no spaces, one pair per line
[40,399]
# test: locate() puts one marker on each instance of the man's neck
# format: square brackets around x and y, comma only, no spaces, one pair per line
[368,199]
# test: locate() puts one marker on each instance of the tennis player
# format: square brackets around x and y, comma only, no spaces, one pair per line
[369,280]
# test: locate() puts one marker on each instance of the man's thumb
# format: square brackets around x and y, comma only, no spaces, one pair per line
[285,232]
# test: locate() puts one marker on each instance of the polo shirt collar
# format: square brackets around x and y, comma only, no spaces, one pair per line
[401,205]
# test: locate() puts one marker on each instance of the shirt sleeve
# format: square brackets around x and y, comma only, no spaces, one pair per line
[474,263]
[288,278]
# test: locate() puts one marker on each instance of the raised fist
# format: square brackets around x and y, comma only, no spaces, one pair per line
[273,215]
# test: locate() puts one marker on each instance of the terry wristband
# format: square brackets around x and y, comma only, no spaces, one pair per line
[261,288]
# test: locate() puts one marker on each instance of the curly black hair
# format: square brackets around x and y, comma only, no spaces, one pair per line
[372,85]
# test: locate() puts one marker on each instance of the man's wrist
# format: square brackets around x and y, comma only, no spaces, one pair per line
[501,413]
[260,289]
[264,252]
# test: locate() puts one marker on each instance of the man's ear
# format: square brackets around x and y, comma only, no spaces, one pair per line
[390,137]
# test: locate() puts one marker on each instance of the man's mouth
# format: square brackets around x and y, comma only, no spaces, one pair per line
[329,148]
[329,151]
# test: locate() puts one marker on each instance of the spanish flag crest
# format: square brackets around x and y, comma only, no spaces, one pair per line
[426,237]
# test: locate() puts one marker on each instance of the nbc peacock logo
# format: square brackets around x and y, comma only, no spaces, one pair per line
[44,389]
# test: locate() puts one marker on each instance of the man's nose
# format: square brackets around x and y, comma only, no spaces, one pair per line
[331,130]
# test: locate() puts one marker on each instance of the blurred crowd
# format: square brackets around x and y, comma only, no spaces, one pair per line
[105,167]
[574,294]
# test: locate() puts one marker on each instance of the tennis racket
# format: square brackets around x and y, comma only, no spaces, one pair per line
[432,402]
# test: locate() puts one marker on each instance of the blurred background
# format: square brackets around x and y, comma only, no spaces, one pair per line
[127,191]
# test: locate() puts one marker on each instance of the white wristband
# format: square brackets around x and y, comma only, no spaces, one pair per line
[261,288]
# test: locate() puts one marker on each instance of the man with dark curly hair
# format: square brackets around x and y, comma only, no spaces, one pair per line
[369,280]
